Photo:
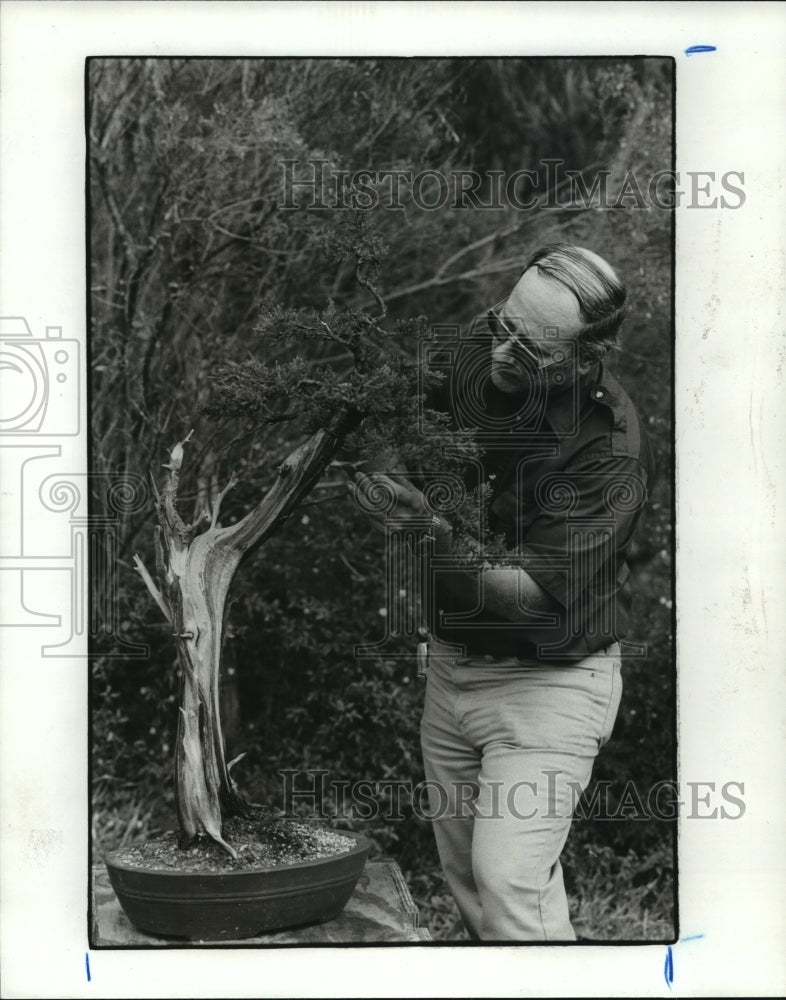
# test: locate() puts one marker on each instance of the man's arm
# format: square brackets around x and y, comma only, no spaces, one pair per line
[506,590]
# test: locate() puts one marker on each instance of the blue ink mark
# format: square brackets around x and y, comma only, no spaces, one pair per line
[668,968]
[694,49]
[87,966]
[693,937]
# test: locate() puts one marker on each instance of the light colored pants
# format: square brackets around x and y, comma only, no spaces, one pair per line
[508,747]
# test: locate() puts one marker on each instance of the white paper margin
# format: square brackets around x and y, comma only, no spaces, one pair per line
[731,110]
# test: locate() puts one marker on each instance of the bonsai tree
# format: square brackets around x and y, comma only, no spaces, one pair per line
[367,403]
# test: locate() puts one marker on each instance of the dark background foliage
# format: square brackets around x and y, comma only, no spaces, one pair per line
[188,241]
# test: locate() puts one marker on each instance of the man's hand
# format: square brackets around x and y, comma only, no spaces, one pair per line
[508,591]
[380,495]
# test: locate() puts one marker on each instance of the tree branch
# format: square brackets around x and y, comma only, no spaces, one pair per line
[216,503]
[334,495]
[139,566]
[170,491]
[365,283]
[440,278]
[355,572]
[297,476]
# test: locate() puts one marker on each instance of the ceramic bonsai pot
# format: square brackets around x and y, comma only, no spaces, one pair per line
[215,906]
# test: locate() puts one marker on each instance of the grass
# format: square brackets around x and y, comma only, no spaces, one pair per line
[125,822]
[610,903]
[621,896]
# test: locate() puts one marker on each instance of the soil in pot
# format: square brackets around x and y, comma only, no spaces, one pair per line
[261,840]
[286,874]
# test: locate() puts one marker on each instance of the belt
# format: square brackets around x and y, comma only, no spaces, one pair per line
[612,649]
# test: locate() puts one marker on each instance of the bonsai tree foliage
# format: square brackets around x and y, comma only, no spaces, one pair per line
[367,401]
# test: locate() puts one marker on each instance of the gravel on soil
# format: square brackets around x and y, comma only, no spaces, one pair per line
[261,840]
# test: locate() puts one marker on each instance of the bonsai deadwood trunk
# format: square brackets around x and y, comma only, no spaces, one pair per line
[195,565]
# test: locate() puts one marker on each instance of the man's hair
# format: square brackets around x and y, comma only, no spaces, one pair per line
[599,290]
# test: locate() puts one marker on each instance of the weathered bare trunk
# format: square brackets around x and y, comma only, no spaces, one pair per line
[195,566]
[204,791]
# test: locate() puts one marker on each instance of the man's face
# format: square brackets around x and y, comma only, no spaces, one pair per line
[536,335]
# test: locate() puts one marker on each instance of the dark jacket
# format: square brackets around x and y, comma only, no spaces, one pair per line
[568,475]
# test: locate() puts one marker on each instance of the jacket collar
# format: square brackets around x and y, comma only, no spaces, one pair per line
[566,409]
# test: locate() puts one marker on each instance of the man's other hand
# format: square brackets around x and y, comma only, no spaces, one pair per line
[379,495]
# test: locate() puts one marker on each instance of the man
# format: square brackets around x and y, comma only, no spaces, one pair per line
[523,681]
